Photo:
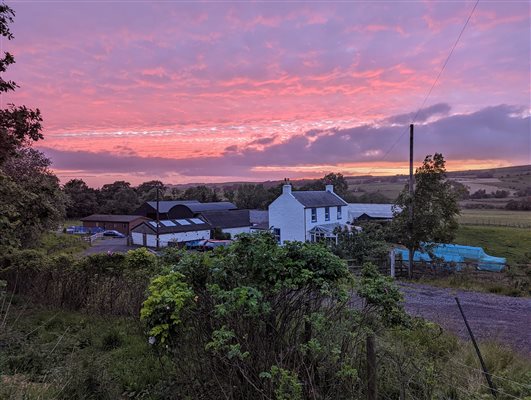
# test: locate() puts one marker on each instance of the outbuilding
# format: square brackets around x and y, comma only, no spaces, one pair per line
[121,223]
[170,231]
[232,222]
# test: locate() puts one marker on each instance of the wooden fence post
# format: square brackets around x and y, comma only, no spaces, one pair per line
[372,393]
[392,258]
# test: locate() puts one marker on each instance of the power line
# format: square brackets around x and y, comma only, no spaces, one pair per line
[435,81]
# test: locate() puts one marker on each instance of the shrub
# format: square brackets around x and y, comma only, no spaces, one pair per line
[259,320]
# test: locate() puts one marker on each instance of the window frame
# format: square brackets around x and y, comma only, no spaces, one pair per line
[327,213]
[314,214]
[339,212]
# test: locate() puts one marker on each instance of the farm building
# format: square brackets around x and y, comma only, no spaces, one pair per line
[149,208]
[121,223]
[233,222]
[181,209]
[170,231]
[368,212]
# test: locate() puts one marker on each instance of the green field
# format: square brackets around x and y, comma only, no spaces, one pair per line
[512,243]
[517,219]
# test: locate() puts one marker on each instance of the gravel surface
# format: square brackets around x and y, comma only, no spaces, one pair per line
[501,318]
[109,244]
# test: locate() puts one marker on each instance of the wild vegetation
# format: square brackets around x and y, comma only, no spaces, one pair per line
[254,320]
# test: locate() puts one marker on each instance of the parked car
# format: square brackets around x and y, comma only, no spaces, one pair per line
[115,234]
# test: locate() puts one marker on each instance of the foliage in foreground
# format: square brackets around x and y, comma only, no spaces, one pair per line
[262,321]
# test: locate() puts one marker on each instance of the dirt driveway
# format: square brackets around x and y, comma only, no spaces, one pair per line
[500,318]
[109,244]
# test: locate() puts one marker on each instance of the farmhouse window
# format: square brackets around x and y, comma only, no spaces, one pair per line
[339,216]
[314,214]
[327,213]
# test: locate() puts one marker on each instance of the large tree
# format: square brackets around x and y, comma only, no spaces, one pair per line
[147,191]
[33,193]
[435,208]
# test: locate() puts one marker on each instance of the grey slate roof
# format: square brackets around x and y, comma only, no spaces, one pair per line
[111,218]
[166,205]
[321,198]
[227,218]
[259,216]
[214,206]
[383,211]
[173,226]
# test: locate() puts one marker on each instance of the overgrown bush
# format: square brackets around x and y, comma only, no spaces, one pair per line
[261,321]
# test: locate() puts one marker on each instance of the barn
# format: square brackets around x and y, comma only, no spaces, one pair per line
[370,212]
[171,231]
[149,208]
[232,222]
[121,223]
[181,208]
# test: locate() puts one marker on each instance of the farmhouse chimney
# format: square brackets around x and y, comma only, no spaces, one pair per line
[286,189]
[330,188]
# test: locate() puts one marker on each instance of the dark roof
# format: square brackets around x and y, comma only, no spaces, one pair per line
[173,226]
[166,205]
[314,198]
[380,211]
[112,218]
[258,216]
[227,218]
[214,206]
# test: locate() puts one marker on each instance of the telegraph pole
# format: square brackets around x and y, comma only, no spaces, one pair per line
[158,216]
[411,194]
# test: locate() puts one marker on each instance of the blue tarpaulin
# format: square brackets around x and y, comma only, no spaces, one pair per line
[83,230]
[457,255]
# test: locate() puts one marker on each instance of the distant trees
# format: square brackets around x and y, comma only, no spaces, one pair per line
[336,179]
[117,198]
[519,205]
[435,207]
[482,194]
[82,200]
[201,193]
[147,191]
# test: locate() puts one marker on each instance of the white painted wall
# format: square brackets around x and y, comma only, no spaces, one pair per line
[137,238]
[151,239]
[321,217]
[236,231]
[287,214]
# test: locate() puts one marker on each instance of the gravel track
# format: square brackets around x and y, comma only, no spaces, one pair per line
[501,318]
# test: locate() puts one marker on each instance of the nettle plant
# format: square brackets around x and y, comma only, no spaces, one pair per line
[257,320]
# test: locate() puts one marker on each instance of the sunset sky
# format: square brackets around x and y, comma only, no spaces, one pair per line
[215,91]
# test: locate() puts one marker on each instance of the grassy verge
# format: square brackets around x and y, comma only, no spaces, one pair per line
[53,354]
[49,354]
[511,243]
[505,218]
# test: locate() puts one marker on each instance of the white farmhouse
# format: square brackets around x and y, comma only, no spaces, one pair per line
[307,215]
